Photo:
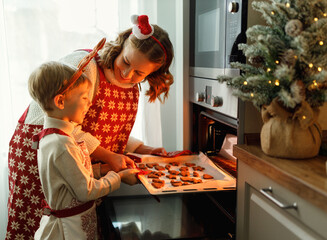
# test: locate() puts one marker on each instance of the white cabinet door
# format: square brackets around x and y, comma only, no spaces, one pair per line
[261,215]
[270,222]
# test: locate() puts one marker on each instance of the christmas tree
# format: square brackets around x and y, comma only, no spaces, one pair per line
[287,57]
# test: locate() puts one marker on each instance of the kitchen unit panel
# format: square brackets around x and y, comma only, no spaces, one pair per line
[267,209]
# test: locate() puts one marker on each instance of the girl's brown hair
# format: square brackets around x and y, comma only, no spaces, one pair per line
[159,80]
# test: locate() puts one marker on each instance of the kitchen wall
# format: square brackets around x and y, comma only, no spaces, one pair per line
[175,113]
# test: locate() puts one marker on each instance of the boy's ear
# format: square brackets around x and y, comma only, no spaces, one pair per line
[59,101]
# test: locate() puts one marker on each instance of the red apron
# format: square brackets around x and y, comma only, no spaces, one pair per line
[112,114]
[25,192]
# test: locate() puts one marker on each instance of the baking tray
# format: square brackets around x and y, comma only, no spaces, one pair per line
[221,180]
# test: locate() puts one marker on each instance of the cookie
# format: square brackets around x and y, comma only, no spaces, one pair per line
[157,183]
[174,172]
[183,169]
[196,180]
[142,166]
[195,174]
[176,183]
[159,168]
[176,164]
[171,176]
[207,176]
[189,164]
[168,166]
[198,168]
[187,179]
[151,165]
[152,175]
[185,173]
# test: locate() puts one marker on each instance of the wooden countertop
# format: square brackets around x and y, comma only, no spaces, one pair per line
[306,177]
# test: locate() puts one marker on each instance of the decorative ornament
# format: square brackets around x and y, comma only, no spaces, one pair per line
[289,58]
[293,28]
[141,29]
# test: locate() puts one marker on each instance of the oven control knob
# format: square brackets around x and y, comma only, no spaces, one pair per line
[216,101]
[233,7]
[200,96]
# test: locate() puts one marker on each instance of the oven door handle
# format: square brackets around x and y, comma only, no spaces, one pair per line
[264,191]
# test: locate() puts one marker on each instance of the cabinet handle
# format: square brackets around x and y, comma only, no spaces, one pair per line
[265,191]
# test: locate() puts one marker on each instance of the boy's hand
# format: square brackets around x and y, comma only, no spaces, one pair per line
[128,176]
[119,162]
[116,162]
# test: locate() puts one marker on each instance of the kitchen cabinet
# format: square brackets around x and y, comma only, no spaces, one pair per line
[280,198]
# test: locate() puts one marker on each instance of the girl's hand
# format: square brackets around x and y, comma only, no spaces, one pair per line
[144,149]
[160,151]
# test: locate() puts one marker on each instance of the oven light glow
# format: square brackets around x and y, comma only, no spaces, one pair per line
[122,224]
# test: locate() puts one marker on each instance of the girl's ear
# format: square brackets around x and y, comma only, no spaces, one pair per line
[59,101]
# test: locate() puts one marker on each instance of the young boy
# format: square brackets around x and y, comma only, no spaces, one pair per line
[64,165]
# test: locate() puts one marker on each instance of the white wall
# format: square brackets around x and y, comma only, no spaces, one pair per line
[175,113]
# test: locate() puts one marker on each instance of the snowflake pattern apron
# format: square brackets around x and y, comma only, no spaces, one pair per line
[112,115]
[25,192]
[77,215]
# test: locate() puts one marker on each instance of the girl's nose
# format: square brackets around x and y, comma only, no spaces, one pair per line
[127,73]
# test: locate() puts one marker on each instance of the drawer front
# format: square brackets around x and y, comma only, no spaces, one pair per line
[256,189]
[270,222]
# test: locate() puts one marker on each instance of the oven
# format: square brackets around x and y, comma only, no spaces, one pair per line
[217,27]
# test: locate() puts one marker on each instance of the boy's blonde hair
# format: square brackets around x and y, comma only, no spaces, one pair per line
[47,80]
